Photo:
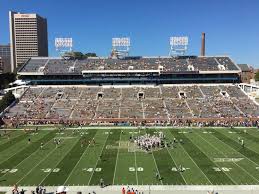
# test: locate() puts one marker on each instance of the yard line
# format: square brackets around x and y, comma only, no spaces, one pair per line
[226,156]
[19,151]
[236,141]
[156,164]
[16,135]
[59,161]
[212,161]
[38,164]
[136,170]
[98,158]
[116,160]
[175,163]
[234,149]
[24,158]
[237,151]
[195,163]
[78,160]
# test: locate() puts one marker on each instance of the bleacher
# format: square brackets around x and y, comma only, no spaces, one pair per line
[139,70]
[162,102]
[165,64]
[33,65]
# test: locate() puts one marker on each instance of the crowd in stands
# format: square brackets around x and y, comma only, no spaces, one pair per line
[163,64]
[157,103]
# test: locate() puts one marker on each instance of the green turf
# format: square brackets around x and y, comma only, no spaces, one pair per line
[211,156]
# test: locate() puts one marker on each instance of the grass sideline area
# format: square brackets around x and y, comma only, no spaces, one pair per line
[209,156]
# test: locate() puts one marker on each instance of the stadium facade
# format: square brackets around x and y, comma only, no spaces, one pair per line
[131,70]
[133,90]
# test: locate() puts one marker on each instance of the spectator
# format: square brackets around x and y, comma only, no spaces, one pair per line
[62,190]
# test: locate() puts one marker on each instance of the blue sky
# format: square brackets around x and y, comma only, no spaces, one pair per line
[231,26]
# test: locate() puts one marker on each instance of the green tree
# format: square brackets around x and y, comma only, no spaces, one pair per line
[78,55]
[257,76]
[6,101]
[86,55]
[6,78]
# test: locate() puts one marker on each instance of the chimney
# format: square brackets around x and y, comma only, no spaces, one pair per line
[203,44]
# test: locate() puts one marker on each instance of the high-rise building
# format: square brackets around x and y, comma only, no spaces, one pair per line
[28,37]
[1,65]
[5,61]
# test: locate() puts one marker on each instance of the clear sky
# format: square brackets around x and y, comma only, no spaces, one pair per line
[231,26]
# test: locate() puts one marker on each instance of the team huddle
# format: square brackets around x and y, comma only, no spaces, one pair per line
[148,142]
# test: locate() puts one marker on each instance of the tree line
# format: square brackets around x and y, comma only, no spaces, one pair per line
[7,100]
[79,55]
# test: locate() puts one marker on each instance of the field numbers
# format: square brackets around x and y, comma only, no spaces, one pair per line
[174,169]
[3,171]
[48,170]
[224,169]
[107,133]
[92,169]
[133,169]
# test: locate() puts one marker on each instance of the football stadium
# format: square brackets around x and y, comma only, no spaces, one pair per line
[174,124]
[167,124]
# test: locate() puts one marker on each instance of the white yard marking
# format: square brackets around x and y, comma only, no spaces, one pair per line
[212,161]
[49,170]
[136,169]
[68,150]
[18,152]
[29,155]
[242,155]
[37,165]
[92,169]
[220,169]
[87,148]
[175,164]
[116,160]
[136,165]
[98,160]
[175,169]
[195,163]
[156,166]
[225,156]
[227,159]
[4,171]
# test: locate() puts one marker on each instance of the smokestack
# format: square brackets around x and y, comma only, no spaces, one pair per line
[203,44]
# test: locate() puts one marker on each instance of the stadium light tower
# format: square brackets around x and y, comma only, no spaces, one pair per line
[178,45]
[120,47]
[63,45]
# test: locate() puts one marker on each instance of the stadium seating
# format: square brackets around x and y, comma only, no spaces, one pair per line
[33,65]
[164,64]
[161,102]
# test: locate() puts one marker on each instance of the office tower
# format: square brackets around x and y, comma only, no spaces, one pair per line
[28,38]
[5,58]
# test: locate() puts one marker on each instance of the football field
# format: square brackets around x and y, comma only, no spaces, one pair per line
[207,156]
